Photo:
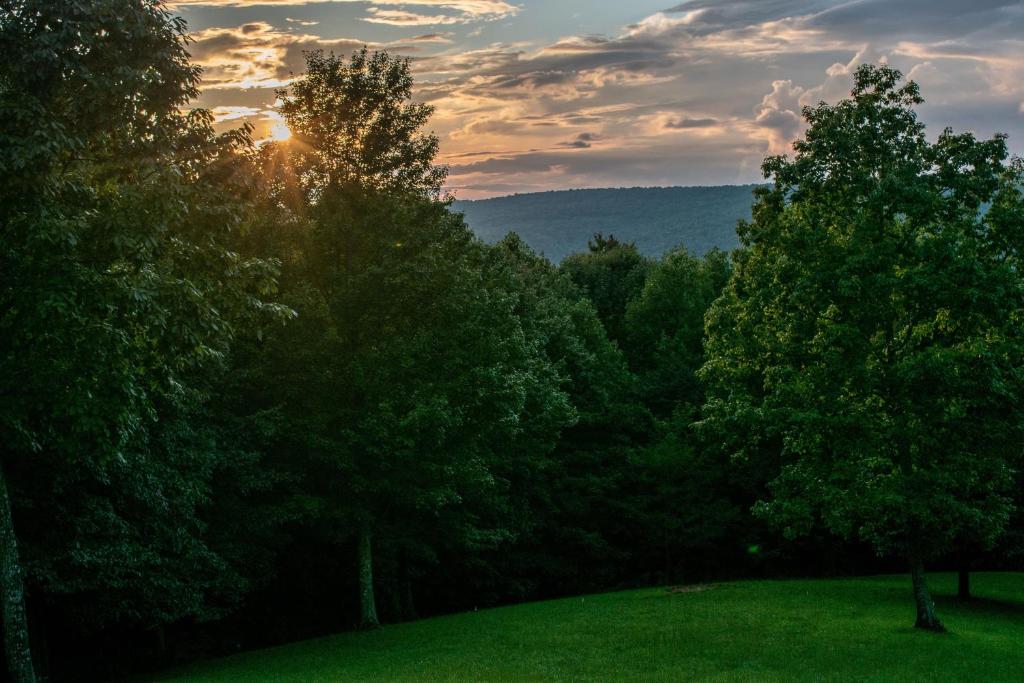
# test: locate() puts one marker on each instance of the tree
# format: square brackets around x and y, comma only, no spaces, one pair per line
[415,369]
[682,492]
[118,289]
[565,477]
[665,328]
[611,274]
[870,335]
[428,351]
[354,125]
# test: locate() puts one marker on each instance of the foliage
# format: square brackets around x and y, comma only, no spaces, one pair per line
[871,330]
[611,274]
[568,496]
[354,123]
[120,300]
[665,328]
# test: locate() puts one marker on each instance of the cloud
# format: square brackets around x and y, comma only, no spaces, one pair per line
[464,10]
[930,20]
[582,141]
[710,56]
[232,113]
[685,123]
[778,115]
[255,55]
[403,18]
[697,93]
[249,56]
[258,55]
[445,38]
[611,165]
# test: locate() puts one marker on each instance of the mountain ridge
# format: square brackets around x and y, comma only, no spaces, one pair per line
[560,222]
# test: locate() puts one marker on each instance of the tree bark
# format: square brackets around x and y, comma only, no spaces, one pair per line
[367,605]
[926,617]
[16,641]
[963,586]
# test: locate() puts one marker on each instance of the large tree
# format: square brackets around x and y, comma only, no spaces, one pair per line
[118,290]
[412,367]
[870,337]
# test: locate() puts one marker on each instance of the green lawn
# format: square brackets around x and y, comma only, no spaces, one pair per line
[823,630]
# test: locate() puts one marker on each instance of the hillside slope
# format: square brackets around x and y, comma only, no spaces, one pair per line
[822,630]
[657,219]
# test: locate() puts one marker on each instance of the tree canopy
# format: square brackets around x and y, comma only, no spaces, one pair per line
[871,331]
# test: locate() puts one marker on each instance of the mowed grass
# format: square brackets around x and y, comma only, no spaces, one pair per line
[813,630]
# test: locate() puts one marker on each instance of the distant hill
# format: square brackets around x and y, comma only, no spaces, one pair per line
[657,219]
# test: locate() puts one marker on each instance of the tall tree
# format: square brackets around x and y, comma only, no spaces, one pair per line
[871,331]
[421,365]
[118,289]
[355,125]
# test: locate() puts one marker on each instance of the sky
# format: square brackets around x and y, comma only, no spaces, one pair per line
[535,95]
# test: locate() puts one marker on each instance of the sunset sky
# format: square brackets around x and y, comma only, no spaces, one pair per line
[551,94]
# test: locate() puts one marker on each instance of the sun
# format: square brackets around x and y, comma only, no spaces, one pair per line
[280,132]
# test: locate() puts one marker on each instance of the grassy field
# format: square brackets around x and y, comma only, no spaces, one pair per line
[823,630]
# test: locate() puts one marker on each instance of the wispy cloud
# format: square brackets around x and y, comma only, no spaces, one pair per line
[233,113]
[686,123]
[582,141]
[464,10]
[404,18]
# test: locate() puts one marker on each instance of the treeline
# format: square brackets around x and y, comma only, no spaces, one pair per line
[252,394]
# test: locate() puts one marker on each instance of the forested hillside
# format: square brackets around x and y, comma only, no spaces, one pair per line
[657,219]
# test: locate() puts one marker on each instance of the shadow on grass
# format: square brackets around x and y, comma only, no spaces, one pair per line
[982,607]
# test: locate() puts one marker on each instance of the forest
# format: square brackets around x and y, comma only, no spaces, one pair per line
[253,394]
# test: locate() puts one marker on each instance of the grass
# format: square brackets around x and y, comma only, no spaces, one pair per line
[820,630]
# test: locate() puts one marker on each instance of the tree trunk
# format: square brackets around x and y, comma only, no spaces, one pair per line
[408,602]
[15,621]
[926,617]
[161,643]
[367,604]
[39,637]
[668,557]
[963,587]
